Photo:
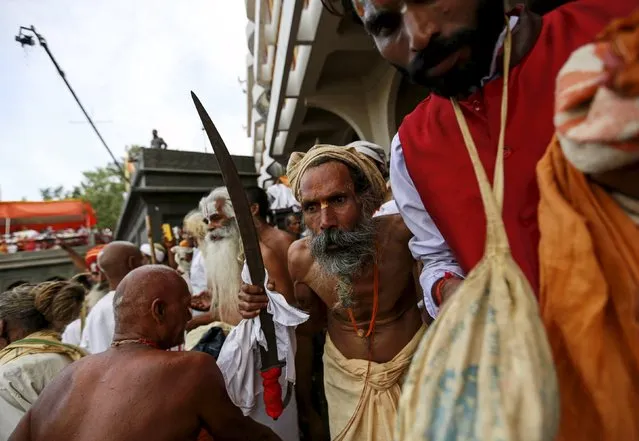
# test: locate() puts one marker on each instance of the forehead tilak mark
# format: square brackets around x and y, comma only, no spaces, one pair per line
[219,205]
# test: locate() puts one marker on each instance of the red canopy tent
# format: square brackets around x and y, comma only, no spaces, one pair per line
[18,216]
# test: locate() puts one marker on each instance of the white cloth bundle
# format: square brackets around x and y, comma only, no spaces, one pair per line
[239,358]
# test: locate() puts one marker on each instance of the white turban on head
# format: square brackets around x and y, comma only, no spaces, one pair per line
[159,253]
[373,151]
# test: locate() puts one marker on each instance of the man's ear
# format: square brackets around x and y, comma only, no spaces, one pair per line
[131,262]
[158,310]
[255,209]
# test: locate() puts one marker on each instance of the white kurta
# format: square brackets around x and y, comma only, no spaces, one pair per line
[387,209]
[100,326]
[282,197]
[239,363]
[197,277]
[21,382]
[72,334]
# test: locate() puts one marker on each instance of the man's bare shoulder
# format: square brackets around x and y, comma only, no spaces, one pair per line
[393,228]
[202,372]
[300,259]
[285,237]
[199,363]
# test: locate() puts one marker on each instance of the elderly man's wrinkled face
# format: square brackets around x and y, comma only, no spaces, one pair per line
[222,254]
[343,232]
[218,224]
[329,201]
[445,45]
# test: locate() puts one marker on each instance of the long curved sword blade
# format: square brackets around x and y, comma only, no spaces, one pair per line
[248,233]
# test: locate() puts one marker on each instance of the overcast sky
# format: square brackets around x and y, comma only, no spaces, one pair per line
[132,64]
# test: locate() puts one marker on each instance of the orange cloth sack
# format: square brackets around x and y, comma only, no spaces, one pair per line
[589,249]
[589,258]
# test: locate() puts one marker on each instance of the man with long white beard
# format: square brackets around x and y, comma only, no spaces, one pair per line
[224,259]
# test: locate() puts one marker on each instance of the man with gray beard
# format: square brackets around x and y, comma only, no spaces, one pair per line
[354,275]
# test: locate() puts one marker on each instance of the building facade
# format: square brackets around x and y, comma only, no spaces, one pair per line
[316,77]
[166,185]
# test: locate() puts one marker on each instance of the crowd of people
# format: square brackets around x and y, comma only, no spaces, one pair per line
[382,258]
[50,238]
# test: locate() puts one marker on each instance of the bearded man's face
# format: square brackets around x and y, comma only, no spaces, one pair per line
[219,226]
[342,229]
[444,45]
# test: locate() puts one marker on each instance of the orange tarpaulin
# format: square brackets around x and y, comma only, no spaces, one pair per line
[40,215]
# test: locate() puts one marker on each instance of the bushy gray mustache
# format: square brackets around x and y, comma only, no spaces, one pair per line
[220,233]
[342,253]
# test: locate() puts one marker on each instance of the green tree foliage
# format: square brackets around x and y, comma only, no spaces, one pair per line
[103,188]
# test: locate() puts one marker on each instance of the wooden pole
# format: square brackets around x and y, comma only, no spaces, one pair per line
[149,233]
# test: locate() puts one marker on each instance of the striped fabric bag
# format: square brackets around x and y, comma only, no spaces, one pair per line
[597,102]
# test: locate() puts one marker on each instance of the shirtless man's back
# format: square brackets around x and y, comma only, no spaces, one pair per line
[137,390]
[137,393]
[278,240]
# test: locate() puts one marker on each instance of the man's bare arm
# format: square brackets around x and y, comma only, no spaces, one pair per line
[278,274]
[253,298]
[23,430]
[220,417]
[309,301]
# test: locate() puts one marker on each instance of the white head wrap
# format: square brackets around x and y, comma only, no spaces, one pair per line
[159,253]
[373,151]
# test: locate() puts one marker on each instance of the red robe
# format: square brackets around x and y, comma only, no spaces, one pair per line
[440,167]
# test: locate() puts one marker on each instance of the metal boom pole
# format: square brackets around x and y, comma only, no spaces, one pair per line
[28,40]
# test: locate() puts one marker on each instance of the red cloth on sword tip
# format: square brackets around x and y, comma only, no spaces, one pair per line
[272,392]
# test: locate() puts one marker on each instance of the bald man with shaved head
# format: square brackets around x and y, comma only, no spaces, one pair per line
[137,390]
[116,260]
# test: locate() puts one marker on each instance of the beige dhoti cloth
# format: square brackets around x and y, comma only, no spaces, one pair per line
[361,410]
